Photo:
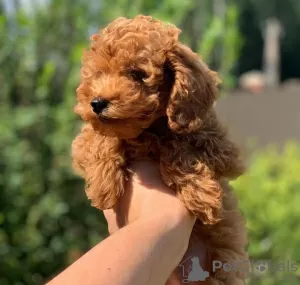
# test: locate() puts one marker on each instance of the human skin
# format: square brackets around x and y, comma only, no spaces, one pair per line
[150,231]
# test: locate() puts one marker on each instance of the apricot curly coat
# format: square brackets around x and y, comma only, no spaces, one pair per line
[159,105]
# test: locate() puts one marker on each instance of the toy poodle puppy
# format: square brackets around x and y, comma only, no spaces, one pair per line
[145,95]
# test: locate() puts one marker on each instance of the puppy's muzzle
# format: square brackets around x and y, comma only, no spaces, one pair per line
[98,105]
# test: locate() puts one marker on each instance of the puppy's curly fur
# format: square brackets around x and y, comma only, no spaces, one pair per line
[159,99]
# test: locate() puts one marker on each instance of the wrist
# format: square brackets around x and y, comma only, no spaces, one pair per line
[175,214]
[176,221]
[172,230]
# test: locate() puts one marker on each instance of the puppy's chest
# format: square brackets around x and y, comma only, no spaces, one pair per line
[145,146]
[150,143]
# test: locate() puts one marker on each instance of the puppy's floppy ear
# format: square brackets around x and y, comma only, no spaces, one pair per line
[194,91]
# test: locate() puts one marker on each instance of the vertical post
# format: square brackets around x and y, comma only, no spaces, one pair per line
[271,54]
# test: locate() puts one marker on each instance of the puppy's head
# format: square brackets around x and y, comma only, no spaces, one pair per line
[137,71]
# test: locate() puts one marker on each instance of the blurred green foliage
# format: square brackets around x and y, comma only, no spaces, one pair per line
[223,35]
[46,221]
[269,197]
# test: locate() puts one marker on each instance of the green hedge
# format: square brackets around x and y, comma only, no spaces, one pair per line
[269,195]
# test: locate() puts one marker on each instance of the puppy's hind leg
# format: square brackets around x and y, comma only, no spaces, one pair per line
[220,226]
[226,243]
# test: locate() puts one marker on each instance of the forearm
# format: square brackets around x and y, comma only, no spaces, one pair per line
[144,252]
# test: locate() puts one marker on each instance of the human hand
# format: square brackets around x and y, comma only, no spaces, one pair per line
[147,195]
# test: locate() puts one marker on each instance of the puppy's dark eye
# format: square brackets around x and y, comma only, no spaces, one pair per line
[138,75]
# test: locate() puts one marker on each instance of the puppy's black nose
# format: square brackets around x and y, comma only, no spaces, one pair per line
[98,105]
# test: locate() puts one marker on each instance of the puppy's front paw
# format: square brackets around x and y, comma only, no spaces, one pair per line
[105,185]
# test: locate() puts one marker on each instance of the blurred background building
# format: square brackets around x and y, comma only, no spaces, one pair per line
[46,221]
